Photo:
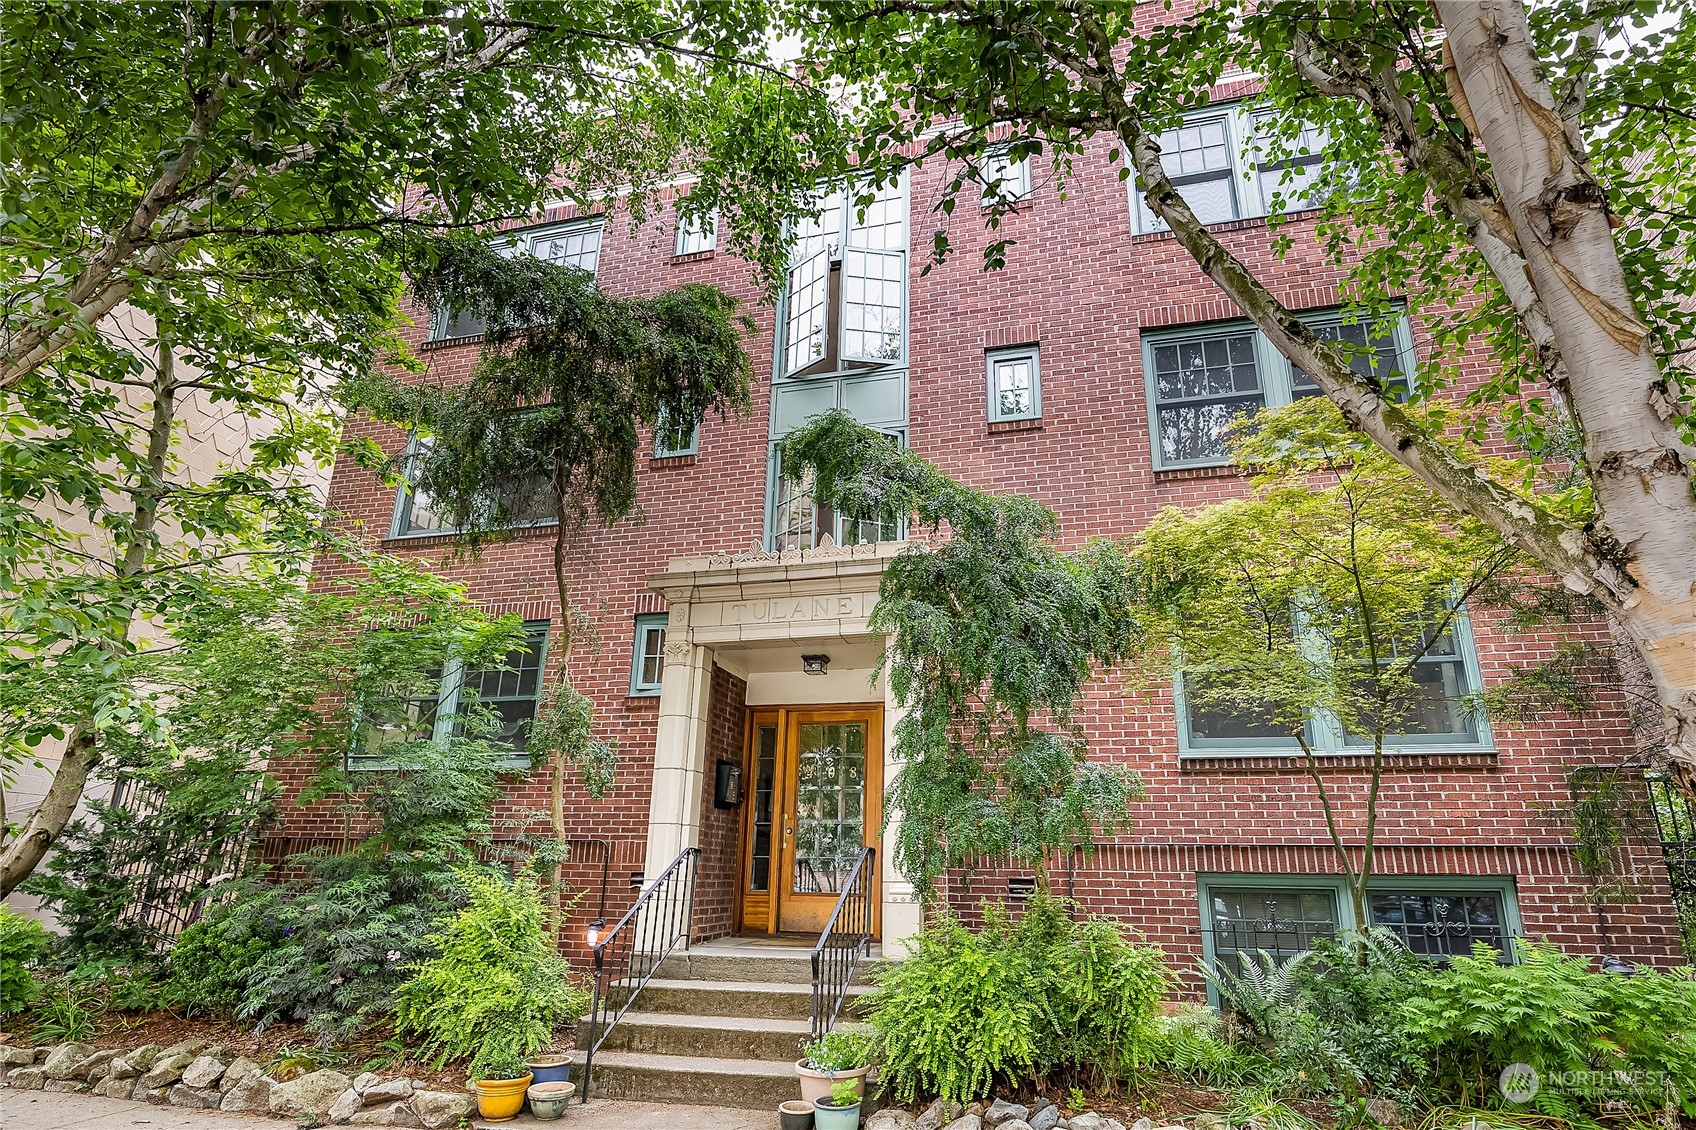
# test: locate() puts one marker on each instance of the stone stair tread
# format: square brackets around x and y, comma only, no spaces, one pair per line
[707,1065]
[735,1023]
[771,988]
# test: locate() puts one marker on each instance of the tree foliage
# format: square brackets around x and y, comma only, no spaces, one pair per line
[995,635]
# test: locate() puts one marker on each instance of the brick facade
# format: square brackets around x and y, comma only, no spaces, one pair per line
[1080,285]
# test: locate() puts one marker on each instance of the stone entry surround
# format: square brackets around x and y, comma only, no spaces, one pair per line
[742,611]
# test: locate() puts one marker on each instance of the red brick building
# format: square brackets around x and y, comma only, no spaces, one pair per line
[1093,373]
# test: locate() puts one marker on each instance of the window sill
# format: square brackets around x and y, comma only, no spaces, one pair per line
[1215,228]
[693,257]
[1207,471]
[642,698]
[997,427]
[668,462]
[1415,761]
[446,537]
[445,342]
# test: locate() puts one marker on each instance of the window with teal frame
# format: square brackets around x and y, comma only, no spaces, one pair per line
[509,693]
[1448,675]
[1200,380]
[647,657]
[1283,915]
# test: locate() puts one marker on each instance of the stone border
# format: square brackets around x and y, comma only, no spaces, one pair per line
[194,1076]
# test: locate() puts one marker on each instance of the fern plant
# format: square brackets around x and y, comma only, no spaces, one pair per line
[495,990]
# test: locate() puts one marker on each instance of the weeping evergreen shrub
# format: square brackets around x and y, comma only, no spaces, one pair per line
[494,990]
[1044,996]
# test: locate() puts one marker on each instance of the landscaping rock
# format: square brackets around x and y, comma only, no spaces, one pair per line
[312,1094]
[1143,1124]
[143,1057]
[158,1096]
[1207,1120]
[95,1067]
[167,1069]
[967,1122]
[63,1060]
[1112,1123]
[1088,1120]
[896,1119]
[195,1098]
[1002,1111]
[1015,1124]
[203,1072]
[190,1048]
[363,1080]
[385,1092]
[16,1057]
[240,1068]
[252,1093]
[1385,1112]
[442,1108]
[1045,1119]
[65,1086]
[933,1118]
[27,1078]
[115,1088]
[347,1105]
[395,1114]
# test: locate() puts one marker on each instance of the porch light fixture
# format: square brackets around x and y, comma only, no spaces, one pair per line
[593,935]
[815,664]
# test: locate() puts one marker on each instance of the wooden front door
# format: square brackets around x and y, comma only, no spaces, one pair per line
[814,803]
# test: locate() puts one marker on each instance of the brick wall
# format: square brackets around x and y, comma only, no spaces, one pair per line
[1083,287]
[721,860]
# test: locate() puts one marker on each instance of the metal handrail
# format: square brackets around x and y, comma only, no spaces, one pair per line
[847,936]
[629,953]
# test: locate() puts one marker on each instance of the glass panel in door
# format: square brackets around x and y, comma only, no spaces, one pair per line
[830,805]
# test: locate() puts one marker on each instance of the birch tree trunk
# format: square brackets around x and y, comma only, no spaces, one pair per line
[1639,469]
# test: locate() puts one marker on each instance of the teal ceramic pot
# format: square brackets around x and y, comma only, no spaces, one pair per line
[549,1100]
[827,1117]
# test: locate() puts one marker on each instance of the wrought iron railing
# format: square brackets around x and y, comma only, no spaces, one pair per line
[628,954]
[846,939]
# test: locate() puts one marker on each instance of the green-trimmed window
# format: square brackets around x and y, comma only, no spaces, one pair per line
[647,658]
[1448,675]
[696,234]
[1232,162]
[574,244]
[1015,384]
[1201,379]
[529,500]
[509,691]
[1437,916]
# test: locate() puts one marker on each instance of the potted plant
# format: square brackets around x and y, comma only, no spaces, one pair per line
[795,1114]
[844,1056]
[549,1067]
[840,1110]
[499,1082]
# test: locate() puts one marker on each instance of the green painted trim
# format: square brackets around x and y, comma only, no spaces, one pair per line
[646,623]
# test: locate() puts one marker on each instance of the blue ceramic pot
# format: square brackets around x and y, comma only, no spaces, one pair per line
[827,1117]
[550,1068]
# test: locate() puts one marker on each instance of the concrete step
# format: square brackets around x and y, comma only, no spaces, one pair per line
[718,1037]
[769,966]
[747,999]
[746,1084]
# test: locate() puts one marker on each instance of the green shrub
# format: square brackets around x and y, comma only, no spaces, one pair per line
[1190,1044]
[1551,1012]
[1045,995]
[22,942]
[67,1012]
[494,990]
[212,963]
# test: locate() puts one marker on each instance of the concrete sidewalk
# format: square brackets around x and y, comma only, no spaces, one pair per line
[42,1110]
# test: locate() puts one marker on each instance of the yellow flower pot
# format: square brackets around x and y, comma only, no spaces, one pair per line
[500,1100]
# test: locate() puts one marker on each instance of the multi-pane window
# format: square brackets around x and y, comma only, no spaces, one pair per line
[1004,179]
[846,299]
[1445,678]
[504,698]
[526,502]
[1015,385]
[577,244]
[647,657]
[669,444]
[1284,915]
[696,234]
[1227,165]
[800,522]
[1202,379]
